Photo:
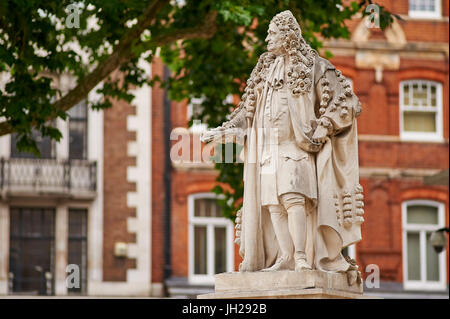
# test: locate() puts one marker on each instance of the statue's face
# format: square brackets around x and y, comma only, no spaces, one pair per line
[274,40]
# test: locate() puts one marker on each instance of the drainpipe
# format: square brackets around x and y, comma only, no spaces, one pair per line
[167,182]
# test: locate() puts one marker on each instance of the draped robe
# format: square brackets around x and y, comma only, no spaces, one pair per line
[334,219]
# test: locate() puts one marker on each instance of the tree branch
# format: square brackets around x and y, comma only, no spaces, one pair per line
[204,30]
[123,53]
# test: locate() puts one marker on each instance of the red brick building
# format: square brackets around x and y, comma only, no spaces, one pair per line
[401,78]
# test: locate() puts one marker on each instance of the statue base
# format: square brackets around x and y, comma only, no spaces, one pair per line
[306,284]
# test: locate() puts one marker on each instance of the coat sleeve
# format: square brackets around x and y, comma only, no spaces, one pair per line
[237,118]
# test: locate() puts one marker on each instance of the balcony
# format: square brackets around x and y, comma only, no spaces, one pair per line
[29,177]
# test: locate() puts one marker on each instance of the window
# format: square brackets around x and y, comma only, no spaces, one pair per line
[195,108]
[77,249]
[44,145]
[423,268]
[430,9]
[78,131]
[211,248]
[421,110]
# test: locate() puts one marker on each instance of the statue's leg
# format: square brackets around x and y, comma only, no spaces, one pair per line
[280,225]
[294,203]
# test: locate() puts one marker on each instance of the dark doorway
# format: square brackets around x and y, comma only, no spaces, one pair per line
[32,250]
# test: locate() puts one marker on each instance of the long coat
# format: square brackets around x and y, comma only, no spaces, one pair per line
[334,220]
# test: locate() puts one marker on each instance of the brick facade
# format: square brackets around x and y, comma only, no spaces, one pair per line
[183,184]
[382,230]
[116,186]
[158,158]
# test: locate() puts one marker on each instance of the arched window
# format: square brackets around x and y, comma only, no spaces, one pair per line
[421,110]
[423,268]
[211,245]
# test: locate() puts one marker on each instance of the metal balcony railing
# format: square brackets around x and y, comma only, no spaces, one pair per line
[28,176]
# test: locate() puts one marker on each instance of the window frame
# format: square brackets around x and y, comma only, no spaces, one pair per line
[210,223]
[196,127]
[201,127]
[37,135]
[420,14]
[422,229]
[84,121]
[422,136]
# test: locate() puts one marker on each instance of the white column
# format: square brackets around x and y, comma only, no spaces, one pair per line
[5,146]
[95,214]
[62,147]
[61,249]
[66,83]
[140,199]
[4,248]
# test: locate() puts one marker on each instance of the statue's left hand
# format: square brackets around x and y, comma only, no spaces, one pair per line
[320,134]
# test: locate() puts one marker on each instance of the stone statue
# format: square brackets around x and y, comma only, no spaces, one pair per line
[297,120]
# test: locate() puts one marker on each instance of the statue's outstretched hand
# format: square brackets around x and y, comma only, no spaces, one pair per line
[320,134]
[212,134]
[224,135]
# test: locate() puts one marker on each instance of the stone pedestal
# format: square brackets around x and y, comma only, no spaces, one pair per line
[307,284]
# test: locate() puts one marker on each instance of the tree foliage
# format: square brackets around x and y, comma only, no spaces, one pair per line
[210,46]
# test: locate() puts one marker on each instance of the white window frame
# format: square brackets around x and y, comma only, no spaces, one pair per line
[422,136]
[196,128]
[419,14]
[423,284]
[210,223]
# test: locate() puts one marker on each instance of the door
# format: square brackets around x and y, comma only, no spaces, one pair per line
[32,251]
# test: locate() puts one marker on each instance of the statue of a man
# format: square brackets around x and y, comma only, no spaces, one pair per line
[302,200]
